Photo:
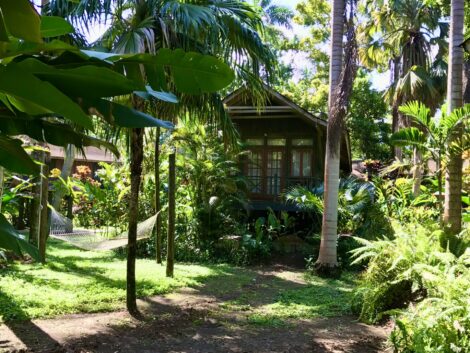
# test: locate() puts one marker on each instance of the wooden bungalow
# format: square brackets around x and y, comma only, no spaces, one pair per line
[285,143]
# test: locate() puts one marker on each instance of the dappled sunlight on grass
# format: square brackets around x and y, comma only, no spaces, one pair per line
[76,281]
[313,298]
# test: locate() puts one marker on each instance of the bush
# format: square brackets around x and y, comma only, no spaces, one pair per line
[418,280]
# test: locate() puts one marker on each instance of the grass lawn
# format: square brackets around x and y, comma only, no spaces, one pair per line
[77,281]
[282,300]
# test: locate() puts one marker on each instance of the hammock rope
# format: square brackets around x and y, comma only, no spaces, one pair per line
[95,240]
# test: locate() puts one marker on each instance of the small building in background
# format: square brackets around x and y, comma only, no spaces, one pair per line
[285,146]
[91,157]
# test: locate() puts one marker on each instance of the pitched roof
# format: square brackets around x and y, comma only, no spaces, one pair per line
[241,107]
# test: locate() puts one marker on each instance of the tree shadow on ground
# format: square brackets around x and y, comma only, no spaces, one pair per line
[31,335]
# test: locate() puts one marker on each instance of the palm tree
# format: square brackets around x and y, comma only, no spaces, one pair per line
[432,135]
[453,183]
[341,82]
[225,29]
[399,34]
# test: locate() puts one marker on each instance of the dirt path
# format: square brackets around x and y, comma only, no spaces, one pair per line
[196,321]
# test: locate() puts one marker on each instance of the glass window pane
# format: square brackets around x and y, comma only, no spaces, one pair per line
[274,172]
[276,142]
[295,163]
[254,171]
[255,142]
[302,142]
[306,164]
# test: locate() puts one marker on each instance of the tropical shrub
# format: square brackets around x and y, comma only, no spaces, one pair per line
[103,201]
[441,322]
[415,278]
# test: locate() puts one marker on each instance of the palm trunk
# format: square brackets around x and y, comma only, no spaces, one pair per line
[327,258]
[1,187]
[158,206]
[69,159]
[397,151]
[171,215]
[417,172]
[453,178]
[137,138]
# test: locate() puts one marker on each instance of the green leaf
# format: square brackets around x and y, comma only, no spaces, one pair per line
[123,116]
[21,84]
[14,158]
[191,72]
[84,81]
[11,239]
[3,31]
[53,26]
[163,96]
[57,134]
[410,136]
[195,73]
[21,20]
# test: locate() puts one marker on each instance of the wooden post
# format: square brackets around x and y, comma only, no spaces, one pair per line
[158,206]
[44,212]
[171,215]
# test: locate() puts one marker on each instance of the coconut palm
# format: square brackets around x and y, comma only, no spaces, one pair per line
[341,82]
[399,34]
[453,184]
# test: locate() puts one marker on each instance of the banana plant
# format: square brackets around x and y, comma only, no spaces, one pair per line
[48,88]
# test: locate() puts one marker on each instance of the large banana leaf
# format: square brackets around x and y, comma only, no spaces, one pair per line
[11,239]
[14,158]
[191,72]
[22,84]
[55,133]
[123,116]
[21,20]
[84,81]
[53,26]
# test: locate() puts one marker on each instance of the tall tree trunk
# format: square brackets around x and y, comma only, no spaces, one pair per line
[69,159]
[44,214]
[170,256]
[327,263]
[158,207]
[453,177]
[137,140]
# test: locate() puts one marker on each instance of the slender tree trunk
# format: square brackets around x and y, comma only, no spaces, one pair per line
[453,178]
[158,225]
[327,262]
[170,257]
[69,159]
[137,138]
[35,215]
[1,187]
[44,214]
[397,151]
[417,172]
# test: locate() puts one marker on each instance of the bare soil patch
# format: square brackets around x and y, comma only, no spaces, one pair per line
[195,320]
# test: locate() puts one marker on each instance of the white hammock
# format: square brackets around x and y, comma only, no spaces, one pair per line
[61,228]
